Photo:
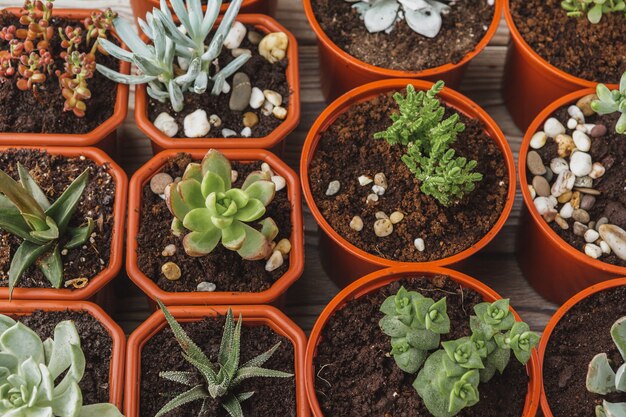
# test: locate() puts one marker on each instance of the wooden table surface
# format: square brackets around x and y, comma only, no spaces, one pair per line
[496,265]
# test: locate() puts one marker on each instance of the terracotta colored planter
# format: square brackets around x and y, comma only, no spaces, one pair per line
[530,82]
[376,280]
[296,256]
[554,268]
[160,141]
[343,261]
[118,351]
[104,136]
[117,236]
[252,315]
[341,72]
[561,312]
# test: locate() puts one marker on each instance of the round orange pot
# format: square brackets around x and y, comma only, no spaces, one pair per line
[345,262]
[554,268]
[160,141]
[104,136]
[252,315]
[118,350]
[117,235]
[296,256]
[376,280]
[562,311]
[341,72]
[531,82]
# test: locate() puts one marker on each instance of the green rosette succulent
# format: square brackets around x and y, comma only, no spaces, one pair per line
[40,379]
[205,204]
[612,101]
[594,9]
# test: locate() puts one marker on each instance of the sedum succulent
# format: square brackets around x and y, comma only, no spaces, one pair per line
[44,227]
[601,379]
[221,379]
[414,324]
[40,379]
[612,101]
[205,203]
[156,62]
[594,9]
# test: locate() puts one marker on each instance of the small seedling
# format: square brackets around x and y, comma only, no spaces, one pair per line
[594,9]
[612,101]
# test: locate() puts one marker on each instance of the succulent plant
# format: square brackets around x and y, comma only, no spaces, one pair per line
[414,324]
[41,378]
[594,9]
[156,61]
[422,16]
[612,101]
[221,379]
[205,203]
[601,379]
[26,212]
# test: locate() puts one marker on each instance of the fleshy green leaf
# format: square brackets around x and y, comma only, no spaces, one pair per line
[198,220]
[79,235]
[263,191]
[29,184]
[233,236]
[212,183]
[51,266]
[64,207]
[214,161]
[194,394]
[255,245]
[255,176]
[200,244]
[20,197]
[25,256]
[600,375]
[193,172]
[269,229]
[254,210]
[190,192]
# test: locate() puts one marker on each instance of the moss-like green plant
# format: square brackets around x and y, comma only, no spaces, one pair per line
[612,101]
[601,379]
[221,379]
[205,203]
[40,379]
[419,125]
[594,9]
[26,212]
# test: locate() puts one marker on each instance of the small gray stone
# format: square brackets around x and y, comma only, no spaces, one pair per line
[581,215]
[579,229]
[535,164]
[587,202]
[206,286]
[585,182]
[242,90]
[601,221]
[254,37]
[541,185]
[549,174]
[586,190]
[159,182]
[598,131]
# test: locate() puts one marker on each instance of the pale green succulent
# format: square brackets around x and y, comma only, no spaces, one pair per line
[40,379]
[594,9]
[205,203]
[612,101]
[156,61]
[601,379]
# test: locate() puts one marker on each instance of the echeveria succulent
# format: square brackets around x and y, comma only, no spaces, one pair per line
[40,379]
[612,101]
[594,9]
[205,203]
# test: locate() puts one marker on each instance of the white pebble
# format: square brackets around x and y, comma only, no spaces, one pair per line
[538,140]
[279,181]
[356,224]
[543,205]
[279,112]
[206,286]
[333,188]
[605,247]
[380,215]
[597,170]
[532,191]
[284,247]
[558,165]
[381,179]
[169,250]
[378,190]
[274,262]
[581,140]
[576,113]
[615,237]
[364,180]
[566,211]
[273,97]
[372,198]
[226,88]
[591,236]
[383,227]
[571,124]
[196,124]
[552,127]
[166,124]
[228,133]
[419,244]
[256,98]
[233,175]
[215,120]
[396,217]
[268,108]
[580,163]
[246,132]
[593,251]
[265,167]
[235,35]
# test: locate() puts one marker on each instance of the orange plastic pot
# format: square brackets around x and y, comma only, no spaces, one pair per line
[561,312]
[252,316]
[345,262]
[296,256]
[104,136]
[341,72]
[160,141]
[118,350]
[376,280]
[554,268]
[531,82]
[117,235]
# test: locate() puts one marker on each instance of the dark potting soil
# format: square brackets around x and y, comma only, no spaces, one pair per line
[96,344]
[404,49]
[25,112]
[223,267]
[273,396]
[594,52]
[357,377]
[262,74]
[580,335]
[610,150]
[348,150]
[54,173]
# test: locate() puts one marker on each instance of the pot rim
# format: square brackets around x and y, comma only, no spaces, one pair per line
[556,318]
[296,256]
[97,282]
[255,314]
[292,120]
[378,279]
[452,99]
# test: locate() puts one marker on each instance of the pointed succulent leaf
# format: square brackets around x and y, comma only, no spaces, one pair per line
[184,378]
[190,75]
[232,406]
[392,326]
[464,392]
[79,235]
[29,184]
[255,246]
[115,51]
[210,16]
[255,176]
[437,319]
[256,372]
[269,229]
[124,78]
[232,67]
[214,161]
[50,232]
[263,191]
[411,360]
[176,96]
[194,394]
[187,345]
[260,360]
[600,375]
[20,197]
[227,337]
[614,409]
[423,339]
[175,203]
[388,307]
[618,333]
[620,378]
[201,244]
[522,341]
[463,352]
[129,36]
[64,207]
[13,222]
[99,410]
[25,256]
[51,265]
[68,402]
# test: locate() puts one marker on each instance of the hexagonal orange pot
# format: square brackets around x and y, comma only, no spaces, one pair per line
[554,268]
[376,280]
[561,312]
[104,136]
[161,141]
[345,262]
[341,72]
[117,235]
[530,82]
[296,256]
[252,315]
[118,351]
